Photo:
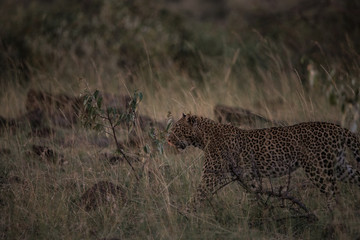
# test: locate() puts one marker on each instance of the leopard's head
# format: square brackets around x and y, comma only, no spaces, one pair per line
[182,133]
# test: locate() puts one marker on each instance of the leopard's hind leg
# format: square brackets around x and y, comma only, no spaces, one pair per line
[344,171]
[322,173]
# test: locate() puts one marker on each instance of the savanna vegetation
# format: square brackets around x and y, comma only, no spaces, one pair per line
[89,90]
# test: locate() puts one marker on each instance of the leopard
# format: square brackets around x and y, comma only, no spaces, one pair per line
[232,153]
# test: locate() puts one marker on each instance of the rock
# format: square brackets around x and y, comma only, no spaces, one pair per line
[101,193]
[243,117]
[48,155]
[61,109]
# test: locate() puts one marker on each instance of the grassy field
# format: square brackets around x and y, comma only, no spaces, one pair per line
[181,63]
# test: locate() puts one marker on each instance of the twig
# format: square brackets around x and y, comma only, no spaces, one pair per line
[280,195]
[285,197]
[119,148]
[289,178]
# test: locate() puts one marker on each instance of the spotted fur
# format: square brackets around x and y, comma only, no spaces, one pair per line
[230,152]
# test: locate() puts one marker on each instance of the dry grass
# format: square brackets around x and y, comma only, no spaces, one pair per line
[41,199]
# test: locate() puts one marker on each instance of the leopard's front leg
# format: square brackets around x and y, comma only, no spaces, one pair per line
[213,178]
[205,190]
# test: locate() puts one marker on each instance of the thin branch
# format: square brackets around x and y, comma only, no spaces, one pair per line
[103,117]
[109,133]
[119,148]
[285,197]
[280,195]
[289,178]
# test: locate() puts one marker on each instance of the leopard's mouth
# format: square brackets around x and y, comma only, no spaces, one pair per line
[181,146]
[178,145]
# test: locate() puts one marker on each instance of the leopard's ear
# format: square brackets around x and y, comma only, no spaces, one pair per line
[184,115]
[190,119]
